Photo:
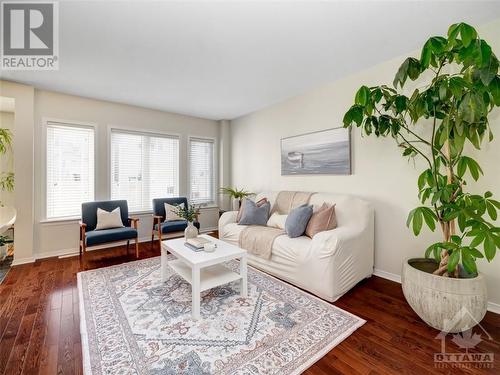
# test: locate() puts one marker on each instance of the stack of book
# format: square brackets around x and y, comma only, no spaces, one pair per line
[197,243]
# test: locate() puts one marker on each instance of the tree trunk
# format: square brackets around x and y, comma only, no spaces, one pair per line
[448,227]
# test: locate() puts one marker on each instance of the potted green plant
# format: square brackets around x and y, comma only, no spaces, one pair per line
[237,195]
[189,213]
[439,122]
[4,241]
[6,178]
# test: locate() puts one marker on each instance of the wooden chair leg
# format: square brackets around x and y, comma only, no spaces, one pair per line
[128,244]
[137,247]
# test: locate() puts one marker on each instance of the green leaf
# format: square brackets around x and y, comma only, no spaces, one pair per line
[468,261]
[467,162]
[477,240]
[417,223]
[362,96]
[467,33]
[453,261]
[475,253]
[457,85]
[494,88]
[400,103]
[492,211]
[425,56]
[430,218]
[437,44]
[453,31]
[485,50]
[489,247]
[354,114]
[489,71]
[461,167]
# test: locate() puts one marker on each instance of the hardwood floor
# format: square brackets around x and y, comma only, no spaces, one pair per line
[39,324]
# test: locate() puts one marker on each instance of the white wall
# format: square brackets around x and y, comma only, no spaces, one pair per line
[56,238]
[380,174]
[23,167]
[7,161]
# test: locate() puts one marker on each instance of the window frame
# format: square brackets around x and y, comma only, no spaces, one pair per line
[141,132]
[46,121]
[214,202]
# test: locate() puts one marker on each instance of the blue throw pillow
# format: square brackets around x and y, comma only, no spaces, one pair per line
[254,215]
[296,222]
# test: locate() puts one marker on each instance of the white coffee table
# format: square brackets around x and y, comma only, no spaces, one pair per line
[203,270]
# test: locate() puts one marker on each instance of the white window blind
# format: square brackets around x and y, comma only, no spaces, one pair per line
[143,166]
[202,171]
[70,169]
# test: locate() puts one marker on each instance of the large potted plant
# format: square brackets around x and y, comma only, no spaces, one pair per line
[440,121]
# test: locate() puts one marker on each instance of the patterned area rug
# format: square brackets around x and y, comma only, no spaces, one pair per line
[132,323]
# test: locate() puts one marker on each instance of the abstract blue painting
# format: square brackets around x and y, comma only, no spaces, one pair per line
[321,152]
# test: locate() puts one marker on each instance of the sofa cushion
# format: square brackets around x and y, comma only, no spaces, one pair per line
[321,220]
[277,221]
[175,226]
[297,220]
[97,237]
[89,212]
[259,203]
[171,211]
[255,215]
[108,220]
[159,204]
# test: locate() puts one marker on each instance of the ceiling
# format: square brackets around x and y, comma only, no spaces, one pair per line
[221,60]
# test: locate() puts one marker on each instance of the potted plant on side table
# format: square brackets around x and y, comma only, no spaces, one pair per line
[461,88]
[190,214]
[236,195]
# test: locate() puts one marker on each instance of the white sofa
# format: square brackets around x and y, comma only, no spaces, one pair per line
[330,263]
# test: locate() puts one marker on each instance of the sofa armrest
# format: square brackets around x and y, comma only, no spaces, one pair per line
[341,257]
[227,217]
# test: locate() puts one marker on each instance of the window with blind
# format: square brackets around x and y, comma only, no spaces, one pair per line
[70,169]
[202,171]
[143,166]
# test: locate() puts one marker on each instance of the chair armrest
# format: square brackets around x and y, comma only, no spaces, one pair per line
[83,229]
[134,221]
[157,219]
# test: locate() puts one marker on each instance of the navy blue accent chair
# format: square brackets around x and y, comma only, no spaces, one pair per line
[91,237]
[160,226]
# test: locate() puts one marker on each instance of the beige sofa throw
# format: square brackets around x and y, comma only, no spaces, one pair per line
[288,200]
[258,240]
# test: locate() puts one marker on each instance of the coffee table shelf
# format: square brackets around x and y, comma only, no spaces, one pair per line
[203,270]
[210,277]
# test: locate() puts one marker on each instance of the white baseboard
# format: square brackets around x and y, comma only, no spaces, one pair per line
[387,275]
[66,253]
[493,307]
[17,262]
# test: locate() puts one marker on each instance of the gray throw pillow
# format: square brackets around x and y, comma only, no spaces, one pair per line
[296,222]
[255,215]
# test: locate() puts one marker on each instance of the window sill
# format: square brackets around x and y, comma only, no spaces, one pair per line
[61,220]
